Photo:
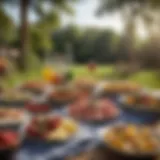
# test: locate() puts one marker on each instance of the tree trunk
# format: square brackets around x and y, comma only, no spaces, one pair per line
[23,35]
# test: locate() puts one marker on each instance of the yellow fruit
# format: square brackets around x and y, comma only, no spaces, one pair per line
[48,74]
[69,125]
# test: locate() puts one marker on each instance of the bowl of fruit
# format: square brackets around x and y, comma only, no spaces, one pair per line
[51,129]
[130,141]
[100,110]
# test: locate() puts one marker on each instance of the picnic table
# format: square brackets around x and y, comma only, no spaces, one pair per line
[84,142]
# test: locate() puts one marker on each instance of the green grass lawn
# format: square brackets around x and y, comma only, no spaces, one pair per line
[81,71]
[145,78]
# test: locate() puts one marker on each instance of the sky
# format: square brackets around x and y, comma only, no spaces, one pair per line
[84,16]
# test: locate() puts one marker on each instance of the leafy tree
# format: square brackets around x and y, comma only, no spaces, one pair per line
[7,28]
[38,7]
[131,11]
[41,34]
[88,44]
[62,37]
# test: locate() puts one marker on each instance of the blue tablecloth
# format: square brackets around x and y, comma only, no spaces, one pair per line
[86,138]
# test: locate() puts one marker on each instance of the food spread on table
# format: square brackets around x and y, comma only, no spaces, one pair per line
[83,107]
[132,139]
[98,110]
[52,128]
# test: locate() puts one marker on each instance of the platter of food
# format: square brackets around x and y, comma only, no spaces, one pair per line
[140,102]
[14,97]
[36,87]
[11,116]
[99,110]
[51,129]
[62,95]
[131,141]
[120,87]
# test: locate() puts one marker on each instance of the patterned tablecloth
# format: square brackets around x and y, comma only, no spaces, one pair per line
[85,140]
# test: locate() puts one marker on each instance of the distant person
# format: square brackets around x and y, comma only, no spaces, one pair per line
[92,66]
